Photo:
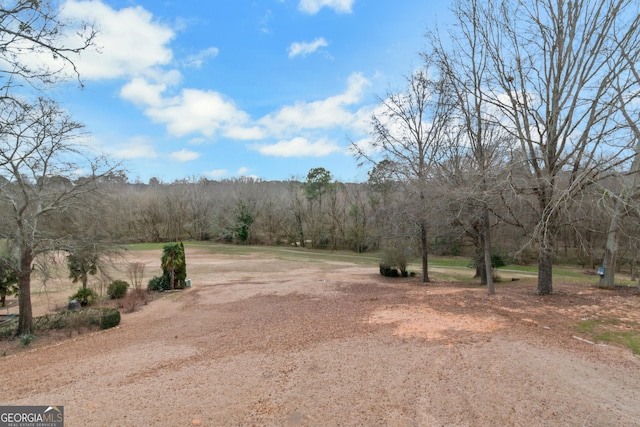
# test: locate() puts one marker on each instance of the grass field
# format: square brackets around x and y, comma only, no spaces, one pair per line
[440,268]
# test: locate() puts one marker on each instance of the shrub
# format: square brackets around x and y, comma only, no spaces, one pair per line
[104,317]
[388,271]
[110,318]
[117,289]
[9,329]
[85,296]
[133,299]
[26,339]
[174,265]
[394,261]
[498,260]
[159,284]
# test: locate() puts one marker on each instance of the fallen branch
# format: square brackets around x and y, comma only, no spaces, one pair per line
[583,340]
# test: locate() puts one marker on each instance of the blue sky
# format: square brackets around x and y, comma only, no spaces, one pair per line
[223,89]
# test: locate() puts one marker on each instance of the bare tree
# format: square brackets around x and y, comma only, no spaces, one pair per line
[33,46]
[554,65]
[39,152]
[409,133]
[136,274]
[623,200]
[464,64]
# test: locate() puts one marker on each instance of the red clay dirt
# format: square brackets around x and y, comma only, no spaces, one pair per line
[269,342]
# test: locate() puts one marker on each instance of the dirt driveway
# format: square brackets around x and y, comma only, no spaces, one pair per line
[266,342]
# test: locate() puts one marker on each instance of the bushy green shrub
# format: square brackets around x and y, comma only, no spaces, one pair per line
[110,318]
[499,260]
[159,284]
[84,296]
[117,289]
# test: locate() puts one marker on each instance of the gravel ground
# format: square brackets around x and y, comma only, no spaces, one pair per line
[266,342]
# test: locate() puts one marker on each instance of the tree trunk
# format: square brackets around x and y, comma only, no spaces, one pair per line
[425,252]
[545,270]
[481,271]
[481,266]
[486,233]
[607,280]
[25,317]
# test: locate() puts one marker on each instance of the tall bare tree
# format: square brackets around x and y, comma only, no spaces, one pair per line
[465,65]
[623,202]
[409,134]
[554,65]
[39,153]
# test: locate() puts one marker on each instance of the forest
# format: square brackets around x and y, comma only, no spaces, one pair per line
[373,216]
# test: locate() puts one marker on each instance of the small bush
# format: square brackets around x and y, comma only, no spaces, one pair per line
[9,329]
[110,318]
[133,299]
[499,260]
[117,289]
[388,271]
[394,261]
[26,339]
[158,284]
[85,297]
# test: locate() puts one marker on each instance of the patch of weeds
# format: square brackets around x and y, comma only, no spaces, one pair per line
[591,326]
[133,299]
[26,339]
[8,329]
[613,331]
[629,339]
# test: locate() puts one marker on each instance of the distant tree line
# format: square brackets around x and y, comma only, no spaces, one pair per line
[377,215]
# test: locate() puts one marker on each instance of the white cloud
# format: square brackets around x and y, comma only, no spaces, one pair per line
[197,60]
[313,6]
[129,42]
[265,22]
[224,173]
[192,111]
[196,111]
[141,92]
[217,173]
[209,113]
[135,148]
[305,48]
[323,114]
[243,133]
[298,147]
[184,155]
